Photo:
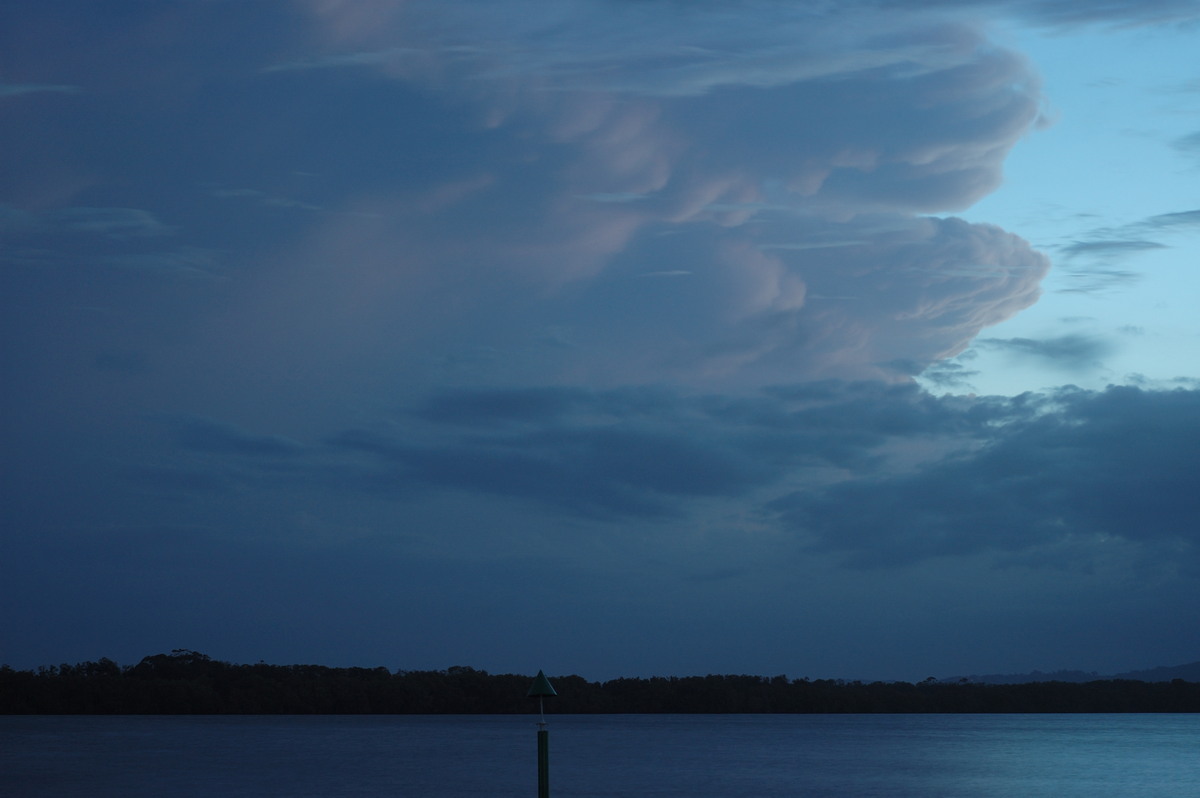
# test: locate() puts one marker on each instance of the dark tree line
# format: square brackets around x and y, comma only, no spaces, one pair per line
[186,682]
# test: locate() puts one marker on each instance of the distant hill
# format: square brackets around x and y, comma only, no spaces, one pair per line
[1189,673]
[187,682]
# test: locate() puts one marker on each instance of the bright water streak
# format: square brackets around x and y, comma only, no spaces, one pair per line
[698,756]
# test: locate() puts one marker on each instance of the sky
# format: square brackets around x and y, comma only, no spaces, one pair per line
[610,337]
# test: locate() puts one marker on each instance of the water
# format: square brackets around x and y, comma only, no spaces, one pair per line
[667,756]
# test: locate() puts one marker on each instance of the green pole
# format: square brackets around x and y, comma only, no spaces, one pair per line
[543,737]
[542,688]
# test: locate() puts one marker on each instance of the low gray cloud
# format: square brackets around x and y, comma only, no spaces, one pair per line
[631,453]
[651,453]
[846,483]
[1119,464]
[994,475]
[587,470]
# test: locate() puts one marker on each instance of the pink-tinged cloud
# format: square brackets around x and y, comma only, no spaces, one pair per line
[729,160]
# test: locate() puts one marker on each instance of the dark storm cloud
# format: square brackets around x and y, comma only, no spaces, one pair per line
[902,476]
[621,472]
[745,155]
[632,452]
[1075,466]
[445,285]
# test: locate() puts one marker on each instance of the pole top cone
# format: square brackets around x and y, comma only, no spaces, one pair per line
[541,686]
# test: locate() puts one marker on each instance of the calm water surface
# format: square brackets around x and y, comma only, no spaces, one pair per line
[698,756]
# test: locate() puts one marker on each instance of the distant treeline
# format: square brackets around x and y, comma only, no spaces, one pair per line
[186,682]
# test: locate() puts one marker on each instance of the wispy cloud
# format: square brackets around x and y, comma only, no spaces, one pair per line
[1091,260]
[666,273]
[345,60]
[21,89]
[116,223]
[186,263]
[263,198]
[1109,250]
[949,374]
[1189,145]
[615,197]
[1129,238]
[1073,351]
[1129,13]
[198,433]
[1179,220]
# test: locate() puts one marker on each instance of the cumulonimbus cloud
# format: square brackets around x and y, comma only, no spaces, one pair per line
[750,149]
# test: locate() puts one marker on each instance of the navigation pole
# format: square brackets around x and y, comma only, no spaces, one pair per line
[541,688]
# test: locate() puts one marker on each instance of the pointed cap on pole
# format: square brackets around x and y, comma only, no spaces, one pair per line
[541,686]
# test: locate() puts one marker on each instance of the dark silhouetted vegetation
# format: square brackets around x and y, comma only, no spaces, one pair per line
[186,682]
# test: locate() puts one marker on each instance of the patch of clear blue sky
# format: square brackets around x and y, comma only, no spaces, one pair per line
[1120,102]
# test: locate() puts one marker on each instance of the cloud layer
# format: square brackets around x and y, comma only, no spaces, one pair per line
[327,318]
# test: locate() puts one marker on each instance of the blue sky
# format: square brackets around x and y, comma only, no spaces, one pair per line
[609,337]
[1100,189]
